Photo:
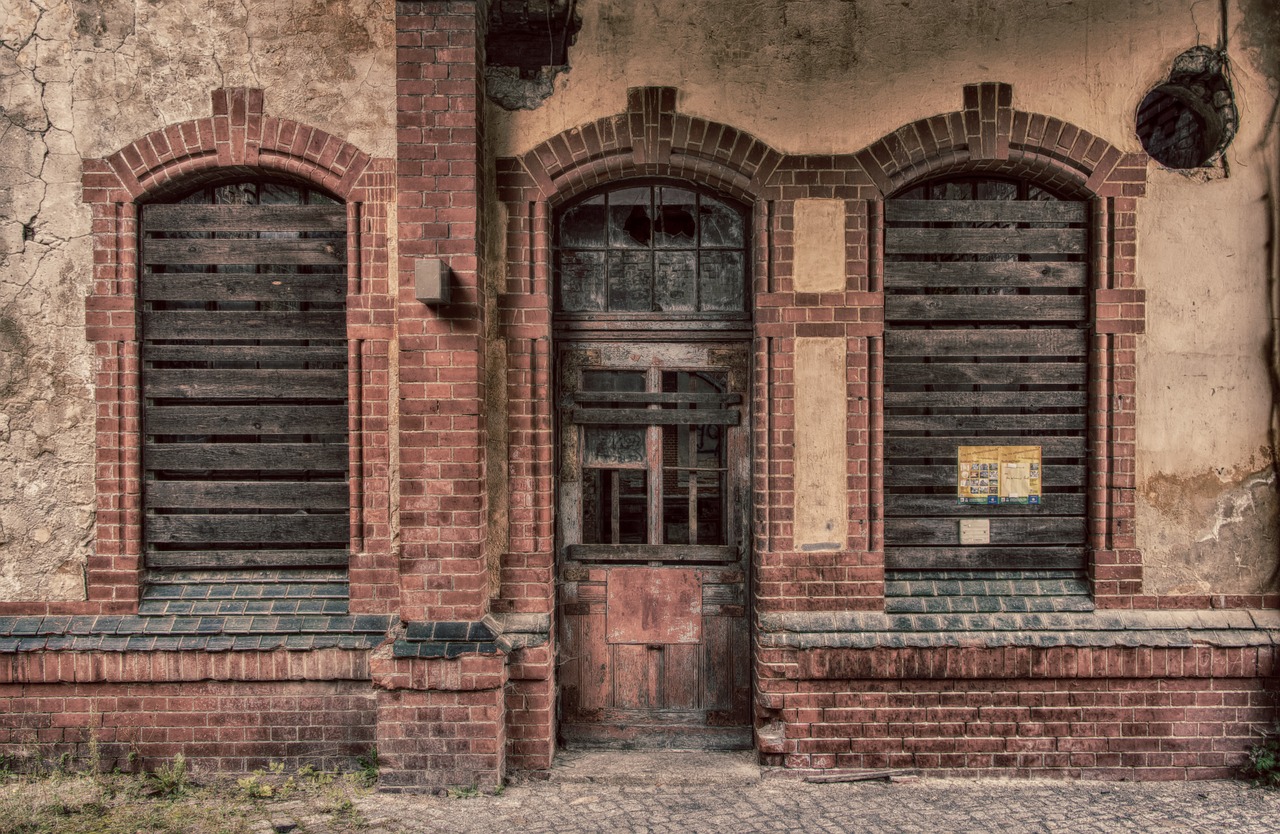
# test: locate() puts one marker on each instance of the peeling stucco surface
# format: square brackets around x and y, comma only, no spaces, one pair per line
[79,80]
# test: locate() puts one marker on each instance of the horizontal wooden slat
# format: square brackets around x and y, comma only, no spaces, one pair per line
[979,422]
[651,553]
[262,495]
[654,417]
[645,397]
[984,558]
[288,251]
[1055,503]
[985,373]
[246,325]
[283,457]
[923,475]
[985,399]
[230,559]
[246,383]
[985,342]
[232,287]
[180,529]
[985,211]
[909,241]
[904,274]
[323,557]
[190,217]
[936,447]
[277,355]
[1004,531]
[1021,308]
[246,419]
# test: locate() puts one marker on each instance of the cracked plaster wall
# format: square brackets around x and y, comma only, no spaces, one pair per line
[80,80]
[823,76]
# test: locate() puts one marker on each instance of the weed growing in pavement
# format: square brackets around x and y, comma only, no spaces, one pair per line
[368,764]
[171,779]
[1262,764]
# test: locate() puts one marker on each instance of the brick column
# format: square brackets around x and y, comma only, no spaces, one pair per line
[442,442]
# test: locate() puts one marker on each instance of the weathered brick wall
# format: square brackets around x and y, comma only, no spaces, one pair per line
[1098,713]
[220,725]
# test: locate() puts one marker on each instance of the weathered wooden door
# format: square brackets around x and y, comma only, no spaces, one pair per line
[653,541]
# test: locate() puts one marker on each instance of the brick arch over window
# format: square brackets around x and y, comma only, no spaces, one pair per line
[238,141]
[989,138]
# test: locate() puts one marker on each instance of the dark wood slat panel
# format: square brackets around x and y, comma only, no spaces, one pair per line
[655,397]
[909,241]
[653,417]
[1004,531]
[914,505]
[231,559]
[652,552]
[985,211]
[987,373]
[985,342]
[232,287]
[984,399]
[1023,308]
[261,495]
[984,558]
[285,251]
[275,383]
[921,475]
[180,529]
[247,419]
[933,447]
[246,325]
[188,217]
[279,354]
[969,423]
[904,274]
[281,457]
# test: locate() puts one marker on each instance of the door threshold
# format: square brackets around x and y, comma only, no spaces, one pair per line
[656,767]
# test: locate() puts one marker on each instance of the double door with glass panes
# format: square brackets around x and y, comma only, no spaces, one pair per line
[652,537]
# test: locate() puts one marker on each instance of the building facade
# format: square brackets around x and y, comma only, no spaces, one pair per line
[869,386]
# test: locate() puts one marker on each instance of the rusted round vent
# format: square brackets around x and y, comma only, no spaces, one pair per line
[1188,121]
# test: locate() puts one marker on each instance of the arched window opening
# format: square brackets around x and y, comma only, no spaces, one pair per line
[986,345]
[244,385]
[651,252]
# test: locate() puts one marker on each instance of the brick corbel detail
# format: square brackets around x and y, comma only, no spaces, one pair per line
[237,139]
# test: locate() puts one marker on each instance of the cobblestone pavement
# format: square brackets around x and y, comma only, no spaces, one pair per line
[706,800]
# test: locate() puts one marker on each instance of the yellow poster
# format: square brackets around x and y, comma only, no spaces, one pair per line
[998,474]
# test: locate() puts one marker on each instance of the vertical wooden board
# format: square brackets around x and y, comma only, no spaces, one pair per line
[739,653]
[593,664]
[682,676]
[631,686]
[717,663]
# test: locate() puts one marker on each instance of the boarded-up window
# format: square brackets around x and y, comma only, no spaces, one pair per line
[244,381]
[986,344]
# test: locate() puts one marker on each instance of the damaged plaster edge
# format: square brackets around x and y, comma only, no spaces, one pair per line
[508,89]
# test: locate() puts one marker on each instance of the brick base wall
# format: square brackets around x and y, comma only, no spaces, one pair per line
[227,726]
[430,739]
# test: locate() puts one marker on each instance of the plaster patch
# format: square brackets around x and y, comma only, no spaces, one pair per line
[821,453]
[819,245]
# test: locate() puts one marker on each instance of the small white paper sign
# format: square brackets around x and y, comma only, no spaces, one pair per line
[975,531]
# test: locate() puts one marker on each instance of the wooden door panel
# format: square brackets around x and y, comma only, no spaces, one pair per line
[653,615]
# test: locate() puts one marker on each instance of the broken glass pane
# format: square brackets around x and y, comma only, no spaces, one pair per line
[606,446]
[630,219]
[631,282]
[676,225]
[721,224]
[582,282]
[583,225]
[674,282]
[720,282]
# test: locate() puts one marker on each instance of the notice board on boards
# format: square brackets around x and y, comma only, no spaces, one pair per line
[998,475]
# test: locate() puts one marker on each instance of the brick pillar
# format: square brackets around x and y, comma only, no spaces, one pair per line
[442,442]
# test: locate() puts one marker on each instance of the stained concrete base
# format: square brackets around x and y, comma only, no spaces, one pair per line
[652,768]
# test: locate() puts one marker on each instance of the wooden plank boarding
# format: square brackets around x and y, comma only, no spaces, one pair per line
[229,251]
[246,419]
[190,217]
[950,241]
